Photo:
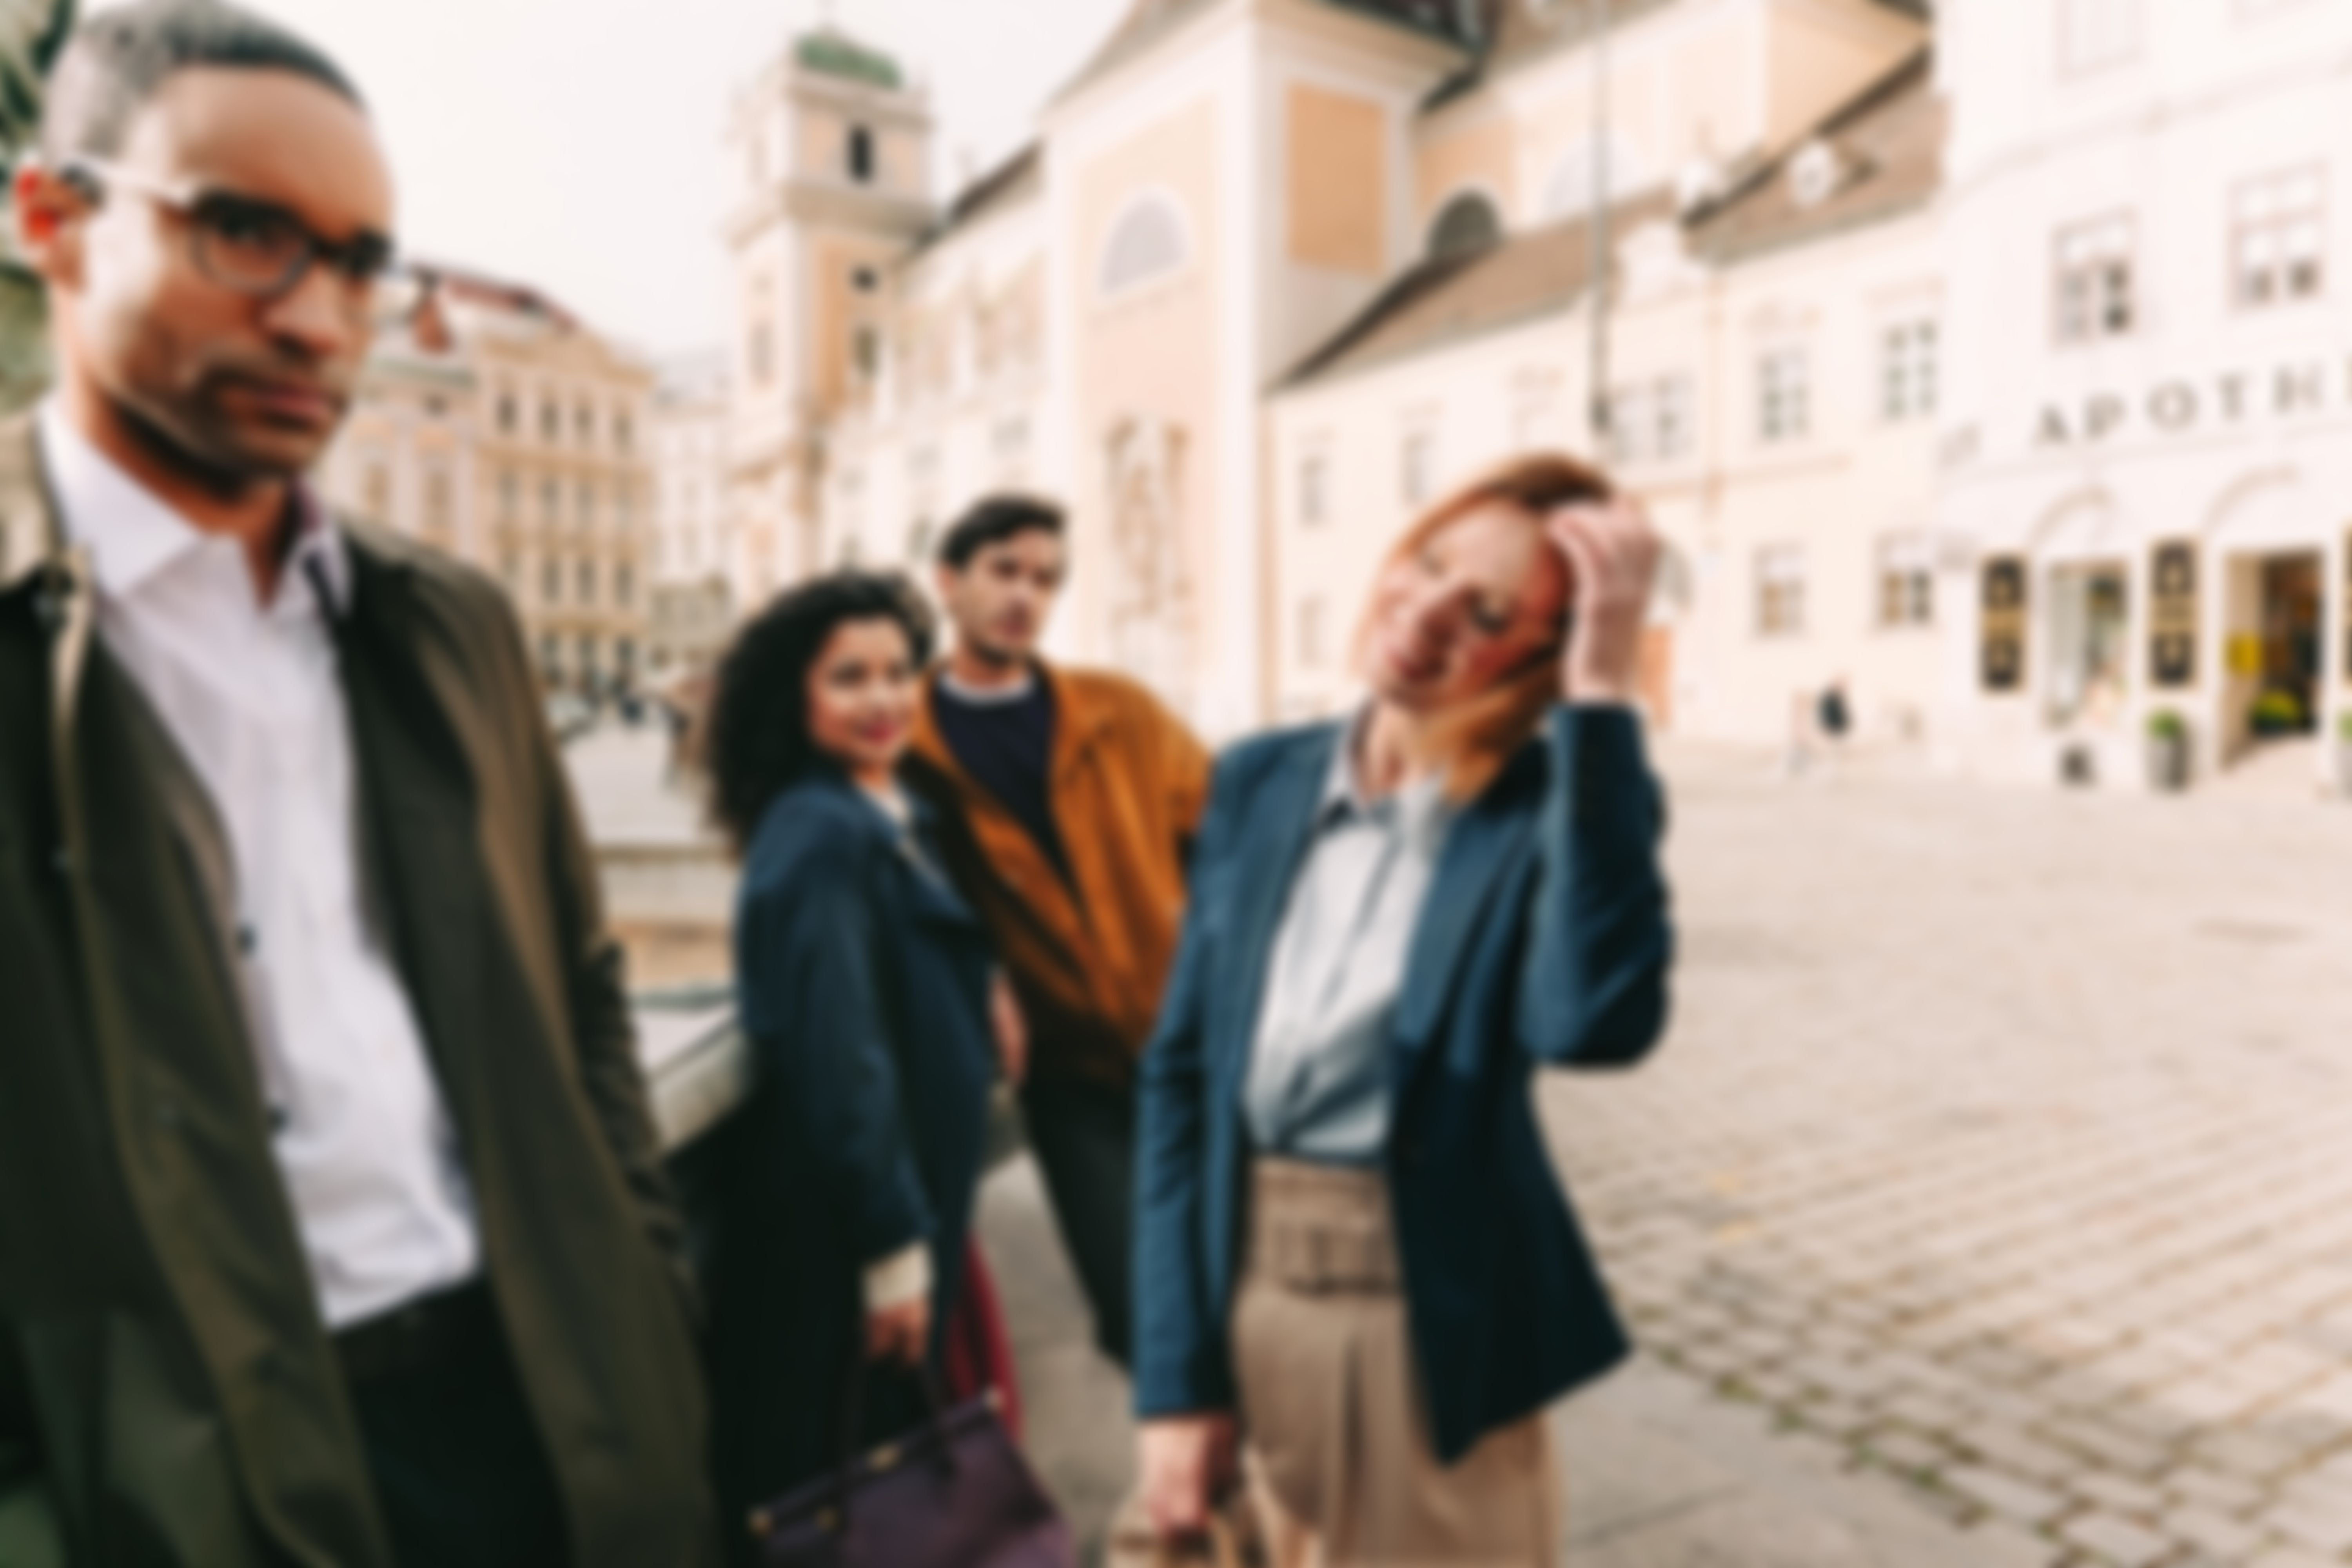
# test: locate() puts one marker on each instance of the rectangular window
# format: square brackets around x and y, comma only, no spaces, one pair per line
[2278,238]
[550,583]
[584,497]
[1907,372]
[1671,421]
[587,580]
[1535,421]
[1311,652]
[550,502]
[1629,414]
[2096,34]
[510,497]
[1781,590]
[1907,582]
[1784,395]
[1417,467]
[2095,281]
[1313,476]
[1650,421]
[760,355]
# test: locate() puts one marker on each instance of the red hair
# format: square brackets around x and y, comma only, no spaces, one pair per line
[1494,725]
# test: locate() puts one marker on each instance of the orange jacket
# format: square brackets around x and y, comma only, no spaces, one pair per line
[1088,956]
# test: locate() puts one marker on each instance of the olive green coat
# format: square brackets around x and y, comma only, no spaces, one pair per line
[163,1370]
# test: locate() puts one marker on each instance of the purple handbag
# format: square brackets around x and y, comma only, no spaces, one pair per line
[954,1493]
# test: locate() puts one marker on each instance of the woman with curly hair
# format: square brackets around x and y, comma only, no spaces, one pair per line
[867,991]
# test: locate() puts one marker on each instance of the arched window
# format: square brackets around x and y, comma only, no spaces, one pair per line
[861,154]
[1467,222]
[1568,192]
[1148,241]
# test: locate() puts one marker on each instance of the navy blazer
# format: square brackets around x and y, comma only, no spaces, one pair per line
[863,990]
[1544,941]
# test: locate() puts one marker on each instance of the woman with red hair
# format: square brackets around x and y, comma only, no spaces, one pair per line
[1354,1261]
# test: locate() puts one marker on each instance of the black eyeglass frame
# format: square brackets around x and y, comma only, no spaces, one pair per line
[362,262]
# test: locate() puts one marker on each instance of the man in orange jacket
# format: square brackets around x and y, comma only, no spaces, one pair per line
[1070,798]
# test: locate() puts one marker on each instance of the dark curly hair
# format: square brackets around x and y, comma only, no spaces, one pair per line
[755,744]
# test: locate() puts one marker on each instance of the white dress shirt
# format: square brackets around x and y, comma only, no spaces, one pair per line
[249,692]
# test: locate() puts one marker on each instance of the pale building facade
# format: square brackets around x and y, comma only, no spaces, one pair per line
[2148,443]
[1210,267]
[514,437]
[695,591]
[1772,396]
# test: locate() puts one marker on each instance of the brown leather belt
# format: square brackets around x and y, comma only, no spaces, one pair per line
[418,1336]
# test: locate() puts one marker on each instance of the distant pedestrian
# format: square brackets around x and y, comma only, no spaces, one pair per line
[1071,797]
[876,1018]
[1395,919]
[1835,718]
[332,1221]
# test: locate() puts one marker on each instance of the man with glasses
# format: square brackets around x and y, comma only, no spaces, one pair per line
[333,1228]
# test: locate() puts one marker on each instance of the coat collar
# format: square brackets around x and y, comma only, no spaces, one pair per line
[1484,842]
[1015,856]
[1275,839]
[30,537]
[1078,724]
[134,536]
[1487,840]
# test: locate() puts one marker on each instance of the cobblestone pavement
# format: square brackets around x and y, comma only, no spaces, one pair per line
[2002,1154]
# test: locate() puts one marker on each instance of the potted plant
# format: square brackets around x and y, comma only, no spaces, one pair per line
[2277,713]
[2167,751]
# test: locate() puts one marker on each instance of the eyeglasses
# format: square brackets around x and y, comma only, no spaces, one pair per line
[252,247]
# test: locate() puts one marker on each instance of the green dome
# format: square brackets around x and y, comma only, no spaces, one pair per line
[837,54]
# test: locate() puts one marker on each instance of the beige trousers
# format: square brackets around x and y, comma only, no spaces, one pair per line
[1338,1452]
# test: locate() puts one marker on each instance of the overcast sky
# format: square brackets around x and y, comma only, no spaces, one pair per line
[575,144]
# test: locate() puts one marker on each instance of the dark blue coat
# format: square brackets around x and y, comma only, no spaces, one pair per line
[1544,944]
[863,991]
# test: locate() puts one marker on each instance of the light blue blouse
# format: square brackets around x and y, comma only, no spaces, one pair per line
[1319,1082]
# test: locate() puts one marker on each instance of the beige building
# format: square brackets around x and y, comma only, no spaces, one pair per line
[510,435]
[695,555]
[1274,271]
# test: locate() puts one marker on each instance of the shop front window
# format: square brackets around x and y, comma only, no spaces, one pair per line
[2090,644]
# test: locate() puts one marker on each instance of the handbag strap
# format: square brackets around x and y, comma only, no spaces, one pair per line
[852,1411]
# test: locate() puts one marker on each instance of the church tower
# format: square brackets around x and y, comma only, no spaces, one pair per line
[831,149]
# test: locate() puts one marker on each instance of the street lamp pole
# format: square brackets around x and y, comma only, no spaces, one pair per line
[1597,279]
